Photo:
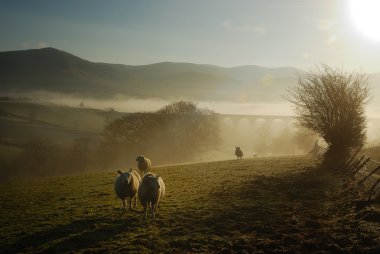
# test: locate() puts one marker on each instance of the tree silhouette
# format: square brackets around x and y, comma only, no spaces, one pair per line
[331,103]
[174,133]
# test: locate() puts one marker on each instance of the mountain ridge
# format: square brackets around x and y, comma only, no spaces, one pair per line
[54,70]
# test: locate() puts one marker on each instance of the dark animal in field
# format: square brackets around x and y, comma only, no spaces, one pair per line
[238,152]
[126,186]
[143,164]
[151,190]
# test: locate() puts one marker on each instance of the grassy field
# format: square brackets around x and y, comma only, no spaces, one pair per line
[261,205]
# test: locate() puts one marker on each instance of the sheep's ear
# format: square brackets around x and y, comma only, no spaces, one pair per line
[119,172]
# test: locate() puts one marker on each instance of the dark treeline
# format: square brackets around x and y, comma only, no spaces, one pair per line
[175,133]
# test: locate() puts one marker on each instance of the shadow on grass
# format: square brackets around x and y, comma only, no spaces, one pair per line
[76,235]
[272,213]
[265,198]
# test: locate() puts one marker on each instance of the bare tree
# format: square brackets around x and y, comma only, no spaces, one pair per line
[331,103]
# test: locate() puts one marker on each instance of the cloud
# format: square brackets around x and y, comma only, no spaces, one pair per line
[29,45]
[332,38]
[306,55]
[42,44]
[258,29]
[25,45]
[325,24]
[227,24]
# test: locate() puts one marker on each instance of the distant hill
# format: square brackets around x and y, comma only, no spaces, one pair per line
[54,70]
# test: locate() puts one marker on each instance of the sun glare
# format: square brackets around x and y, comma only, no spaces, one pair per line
[366,16]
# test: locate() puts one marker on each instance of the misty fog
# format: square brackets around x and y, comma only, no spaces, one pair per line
[256,135]
[259,129]
[124,103]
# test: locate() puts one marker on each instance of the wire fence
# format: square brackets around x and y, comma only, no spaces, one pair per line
[365,175]
[364,172]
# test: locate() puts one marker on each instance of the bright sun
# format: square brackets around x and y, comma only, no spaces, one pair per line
[366,15]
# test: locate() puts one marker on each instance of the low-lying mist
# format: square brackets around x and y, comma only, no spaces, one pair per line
[124,103]
[64,143]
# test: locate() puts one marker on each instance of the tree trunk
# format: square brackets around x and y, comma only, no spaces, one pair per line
[336,157]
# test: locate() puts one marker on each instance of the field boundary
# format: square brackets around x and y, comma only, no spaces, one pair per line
[364,172]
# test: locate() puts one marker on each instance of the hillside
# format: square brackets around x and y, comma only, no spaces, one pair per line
[53,70]
[57,71]
[22,120]
[262,205]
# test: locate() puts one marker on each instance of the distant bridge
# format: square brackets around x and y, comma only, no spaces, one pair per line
[250,121]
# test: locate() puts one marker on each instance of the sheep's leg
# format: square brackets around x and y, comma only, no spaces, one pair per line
[135,202]
[152,207]
[130,203]
[146,212]
[123,204]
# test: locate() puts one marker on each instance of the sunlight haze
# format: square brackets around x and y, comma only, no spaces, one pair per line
[227,33]
[190,126]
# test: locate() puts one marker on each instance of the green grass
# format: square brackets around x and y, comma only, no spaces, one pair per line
[21,121]
[255,205]
[9,153]
[66,117]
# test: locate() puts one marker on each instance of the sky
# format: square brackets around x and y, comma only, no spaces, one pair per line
[270,33]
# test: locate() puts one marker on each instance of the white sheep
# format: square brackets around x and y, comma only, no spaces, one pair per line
[151,190]
[143,164]
[126,185]
[238,152]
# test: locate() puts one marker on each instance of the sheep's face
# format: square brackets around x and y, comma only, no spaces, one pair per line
[156,183]
[126,178]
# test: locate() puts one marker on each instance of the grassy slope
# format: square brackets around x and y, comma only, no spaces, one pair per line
[257,205]
[60,124]
[55,115]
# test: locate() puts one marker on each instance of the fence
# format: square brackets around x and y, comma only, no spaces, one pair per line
[364,173]
[365,176]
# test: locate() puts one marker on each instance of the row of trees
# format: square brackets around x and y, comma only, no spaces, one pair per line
[175,133]
[172,134]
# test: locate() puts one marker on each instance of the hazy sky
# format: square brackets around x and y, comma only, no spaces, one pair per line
[299,33]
